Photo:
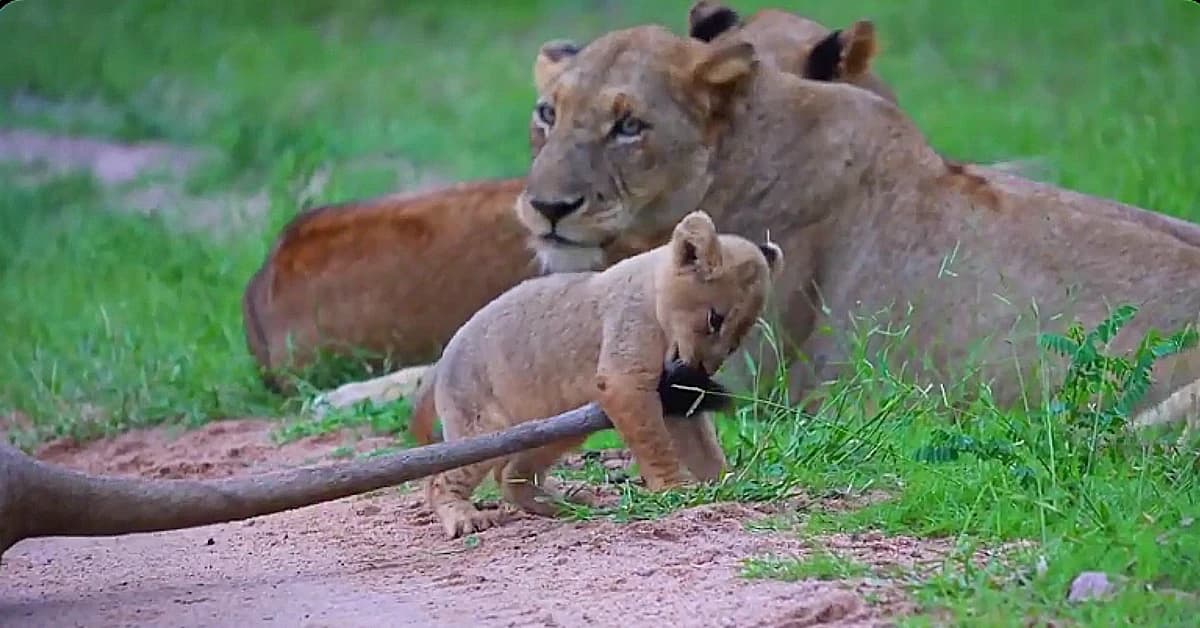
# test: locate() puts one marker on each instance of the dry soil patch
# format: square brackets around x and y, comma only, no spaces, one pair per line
[380,559]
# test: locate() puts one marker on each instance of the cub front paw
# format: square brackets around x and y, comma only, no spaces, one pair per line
[659,484]
[462,520]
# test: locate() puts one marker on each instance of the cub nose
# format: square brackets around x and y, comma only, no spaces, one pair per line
[555,211]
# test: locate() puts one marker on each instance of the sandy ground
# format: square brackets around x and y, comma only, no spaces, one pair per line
[381,560]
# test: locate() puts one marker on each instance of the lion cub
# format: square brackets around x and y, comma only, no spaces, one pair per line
[557,342]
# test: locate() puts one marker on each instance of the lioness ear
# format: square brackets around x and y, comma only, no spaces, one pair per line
[551,59]
[720,66]
[708,20]
[843,54]
[774,256]
[695,246]
[860,47]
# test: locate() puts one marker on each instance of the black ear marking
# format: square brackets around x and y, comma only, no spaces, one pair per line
[825,58]
[769,252]
[689,254]
[677,402]
[708,22]
[556,50]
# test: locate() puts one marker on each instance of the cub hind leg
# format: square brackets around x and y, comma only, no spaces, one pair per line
[449,496]
[525,484]
[449,493]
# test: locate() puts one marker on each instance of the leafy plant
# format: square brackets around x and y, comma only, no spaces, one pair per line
[1100,390]
[1084,416]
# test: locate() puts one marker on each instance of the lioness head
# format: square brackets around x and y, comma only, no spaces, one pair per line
[628,141]
[793,43]
[710,291]
[633,155]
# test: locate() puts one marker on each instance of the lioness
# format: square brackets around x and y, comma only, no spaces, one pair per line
[397,275]
[645,126]
[560,341]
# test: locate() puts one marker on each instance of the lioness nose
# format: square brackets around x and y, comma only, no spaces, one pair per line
[555,211]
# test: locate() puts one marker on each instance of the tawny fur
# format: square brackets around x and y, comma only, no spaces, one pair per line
[560,341]
[871,218]
[394,276]
[1182,405]
[373,274]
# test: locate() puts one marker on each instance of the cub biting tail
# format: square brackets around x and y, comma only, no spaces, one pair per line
[563,340]
[792,43]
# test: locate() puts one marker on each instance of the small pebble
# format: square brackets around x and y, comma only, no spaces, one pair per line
[1089,585]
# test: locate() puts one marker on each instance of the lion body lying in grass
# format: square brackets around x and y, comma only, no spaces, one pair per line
[777,35]
[644,126]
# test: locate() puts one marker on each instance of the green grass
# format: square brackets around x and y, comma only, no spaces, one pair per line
[821,564]
[112,320]
[389,419]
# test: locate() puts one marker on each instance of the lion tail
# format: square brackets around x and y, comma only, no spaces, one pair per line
[424,411]
[253,299]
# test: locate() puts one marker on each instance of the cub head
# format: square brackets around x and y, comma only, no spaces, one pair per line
[623,139]
[710,289]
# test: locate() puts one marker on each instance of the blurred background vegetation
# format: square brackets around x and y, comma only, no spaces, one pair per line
[111,317]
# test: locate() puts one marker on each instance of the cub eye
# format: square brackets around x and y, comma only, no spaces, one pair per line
[714,321]
[629,126]
[545,113]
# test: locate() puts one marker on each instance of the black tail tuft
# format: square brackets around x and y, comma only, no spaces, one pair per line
[678,401]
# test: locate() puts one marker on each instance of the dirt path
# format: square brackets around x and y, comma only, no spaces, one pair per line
[149,177]
[381,560]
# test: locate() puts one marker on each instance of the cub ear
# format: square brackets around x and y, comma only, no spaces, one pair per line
[552,59]
[708,20]
[695,246]
[774,256]
[843,54]
[723,65]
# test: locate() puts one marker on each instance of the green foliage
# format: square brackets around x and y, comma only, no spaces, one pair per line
[1084,417]
[1100,390]
[1089,493]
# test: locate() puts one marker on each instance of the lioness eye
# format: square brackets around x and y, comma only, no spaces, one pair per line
[545,113]
[714,321]
[629,126]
